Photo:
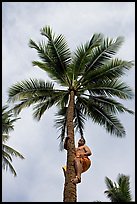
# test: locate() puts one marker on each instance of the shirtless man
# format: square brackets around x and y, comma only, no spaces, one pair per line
[81,161]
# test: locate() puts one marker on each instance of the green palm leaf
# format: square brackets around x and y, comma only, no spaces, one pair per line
[55,55]
[110,89]
[12,151]
[109,104]
[82,54]
[7,120]
[37,92]
[114,69]
[120,191]
[102,116]
[109,183]
[41,107]
[7,165]
[29,88]
[92,73]
[101,55]
[29,92]
[61,124]
[124,185]
[79,119]
[8,152]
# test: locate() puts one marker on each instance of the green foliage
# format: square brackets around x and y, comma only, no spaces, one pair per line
[120,191]
[7,152]
[92,72]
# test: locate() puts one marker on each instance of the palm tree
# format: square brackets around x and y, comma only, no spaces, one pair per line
[7,151]
[88,80]
[120,191]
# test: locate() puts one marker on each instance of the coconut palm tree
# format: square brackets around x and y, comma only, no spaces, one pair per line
[88,81]
[7,151]
[120,191]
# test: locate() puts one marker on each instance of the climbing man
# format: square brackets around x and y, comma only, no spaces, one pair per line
[81,160]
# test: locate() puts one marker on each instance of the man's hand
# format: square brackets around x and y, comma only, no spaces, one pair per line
[82,155]
[66,139]
[65,142]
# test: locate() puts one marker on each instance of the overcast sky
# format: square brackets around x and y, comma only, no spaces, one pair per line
[40,177]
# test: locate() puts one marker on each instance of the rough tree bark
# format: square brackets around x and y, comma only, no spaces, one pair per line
[70,194]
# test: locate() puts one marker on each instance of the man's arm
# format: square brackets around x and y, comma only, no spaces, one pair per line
[66,143]
[87,151]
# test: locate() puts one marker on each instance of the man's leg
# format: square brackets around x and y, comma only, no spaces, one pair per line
[78,168]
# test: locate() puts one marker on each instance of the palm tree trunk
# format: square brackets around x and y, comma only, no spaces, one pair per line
[69,187]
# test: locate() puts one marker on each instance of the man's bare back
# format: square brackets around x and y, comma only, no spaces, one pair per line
[81,161]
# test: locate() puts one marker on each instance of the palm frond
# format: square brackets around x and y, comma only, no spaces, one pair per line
[12,151]
[110,89]
[120,191]
[41,107]
[5,138]
[37,92]
[102,54]
[29,92]
[6,154]
[55,55]
[104,118]
[109,104]
[111,193]
[29,88]
[79,119]
[50,71]
[82,54]
[59,98]
[109,183]
[61,120]
[124,185]
[8,119]
[112,70]
[60,124]
[48,32]
[109,121]
[58,49]
[47,63]
[7,165]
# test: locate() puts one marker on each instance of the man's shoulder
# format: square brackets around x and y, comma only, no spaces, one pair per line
[85,146]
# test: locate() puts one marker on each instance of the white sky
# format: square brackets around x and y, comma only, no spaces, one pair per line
[40,177]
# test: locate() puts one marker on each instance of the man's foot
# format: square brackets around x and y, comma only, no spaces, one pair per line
[64,170]
[76,180]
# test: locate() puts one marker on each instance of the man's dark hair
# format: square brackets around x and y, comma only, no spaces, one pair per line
[82,138]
